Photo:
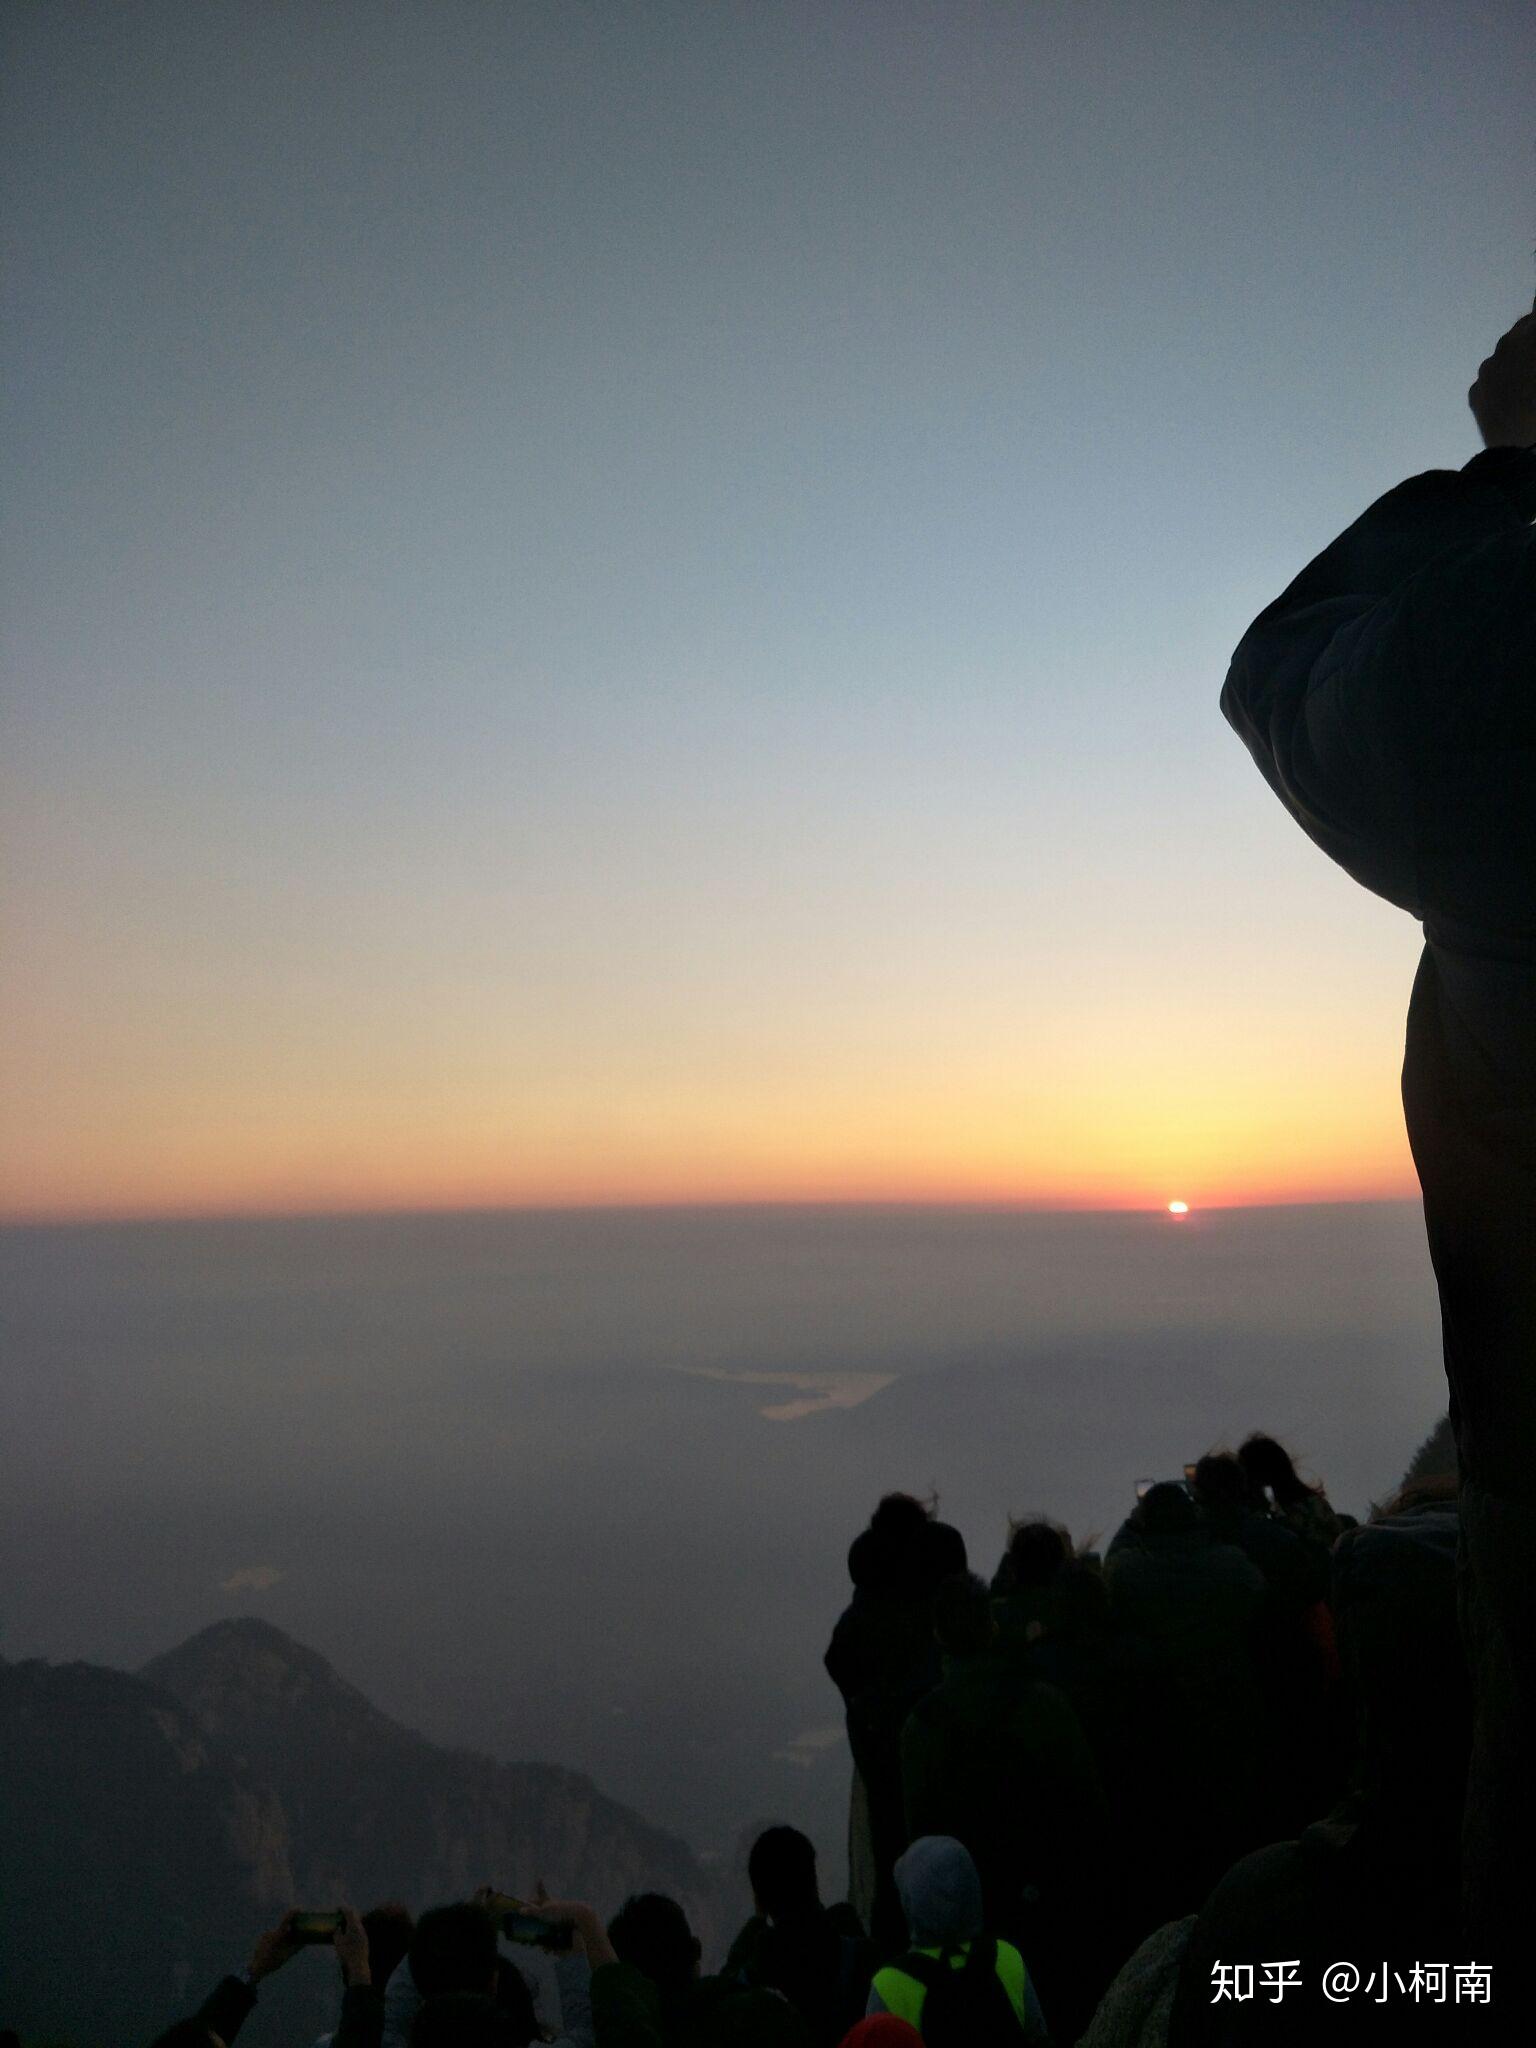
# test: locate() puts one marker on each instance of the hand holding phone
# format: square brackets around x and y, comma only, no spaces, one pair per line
[311,1930]
[517,1923]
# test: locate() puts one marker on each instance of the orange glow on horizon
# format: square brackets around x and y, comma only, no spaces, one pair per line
[380,1196]
[1091,1113]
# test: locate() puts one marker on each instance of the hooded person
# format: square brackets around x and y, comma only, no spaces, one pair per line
[817,1956]
[1387,698]
[940,1894]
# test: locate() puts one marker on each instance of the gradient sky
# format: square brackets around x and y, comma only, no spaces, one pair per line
[620,603]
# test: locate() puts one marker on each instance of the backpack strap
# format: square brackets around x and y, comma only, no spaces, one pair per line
[983,1955]
[922,1969]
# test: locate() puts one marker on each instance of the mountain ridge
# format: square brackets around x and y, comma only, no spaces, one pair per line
[174,1811]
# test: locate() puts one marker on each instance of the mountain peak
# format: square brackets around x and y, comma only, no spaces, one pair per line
[246,1684]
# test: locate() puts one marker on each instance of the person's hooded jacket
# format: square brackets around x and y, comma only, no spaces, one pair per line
[940,1895]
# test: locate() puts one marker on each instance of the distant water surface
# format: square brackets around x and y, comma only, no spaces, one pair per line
[580,1485]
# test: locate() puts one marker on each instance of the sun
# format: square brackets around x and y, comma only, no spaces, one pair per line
[1178,1209]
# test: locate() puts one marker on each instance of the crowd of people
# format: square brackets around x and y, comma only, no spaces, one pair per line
[1082,1789]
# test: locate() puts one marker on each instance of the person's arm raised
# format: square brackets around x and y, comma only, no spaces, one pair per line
[362,2006]
[588,1931]
[228,2005]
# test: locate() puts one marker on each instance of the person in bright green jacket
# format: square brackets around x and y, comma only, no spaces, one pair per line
[940,1893]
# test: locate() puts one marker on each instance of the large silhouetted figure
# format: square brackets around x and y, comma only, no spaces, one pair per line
[1389,697]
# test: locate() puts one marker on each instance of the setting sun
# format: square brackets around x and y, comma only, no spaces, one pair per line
[1178,1208]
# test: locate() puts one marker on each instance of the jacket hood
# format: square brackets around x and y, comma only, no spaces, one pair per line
[939,1890]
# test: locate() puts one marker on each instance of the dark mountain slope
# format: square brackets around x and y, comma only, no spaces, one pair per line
[375,1811]
[134,1863]
[151,1826]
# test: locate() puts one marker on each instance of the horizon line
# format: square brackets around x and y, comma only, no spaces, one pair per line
[990,1204]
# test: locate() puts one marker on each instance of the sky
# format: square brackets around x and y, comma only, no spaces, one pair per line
[613,604]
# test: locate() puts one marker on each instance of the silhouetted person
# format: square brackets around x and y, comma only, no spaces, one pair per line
[1127,1711]
[882,1659]
[816,1955]
[997,1759]
[1300,1503]
[1379,1877]
[653,1994]
[454,1951]
[1301,1773]
[655,1990]
[453,1948]
[1199,1604]
[1022,1584]
[1387,698]
[1294,1571]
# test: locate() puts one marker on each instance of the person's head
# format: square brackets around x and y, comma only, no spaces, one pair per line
[465,2019]
[1221,1485]
[651,1933]
[1166,1510]
[962,1616]
[882,1557]
[1037,1550]
[1269,1466]
[904,1551]
[781,1869]
[453,1948]
[900,1516]
[939,1890]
